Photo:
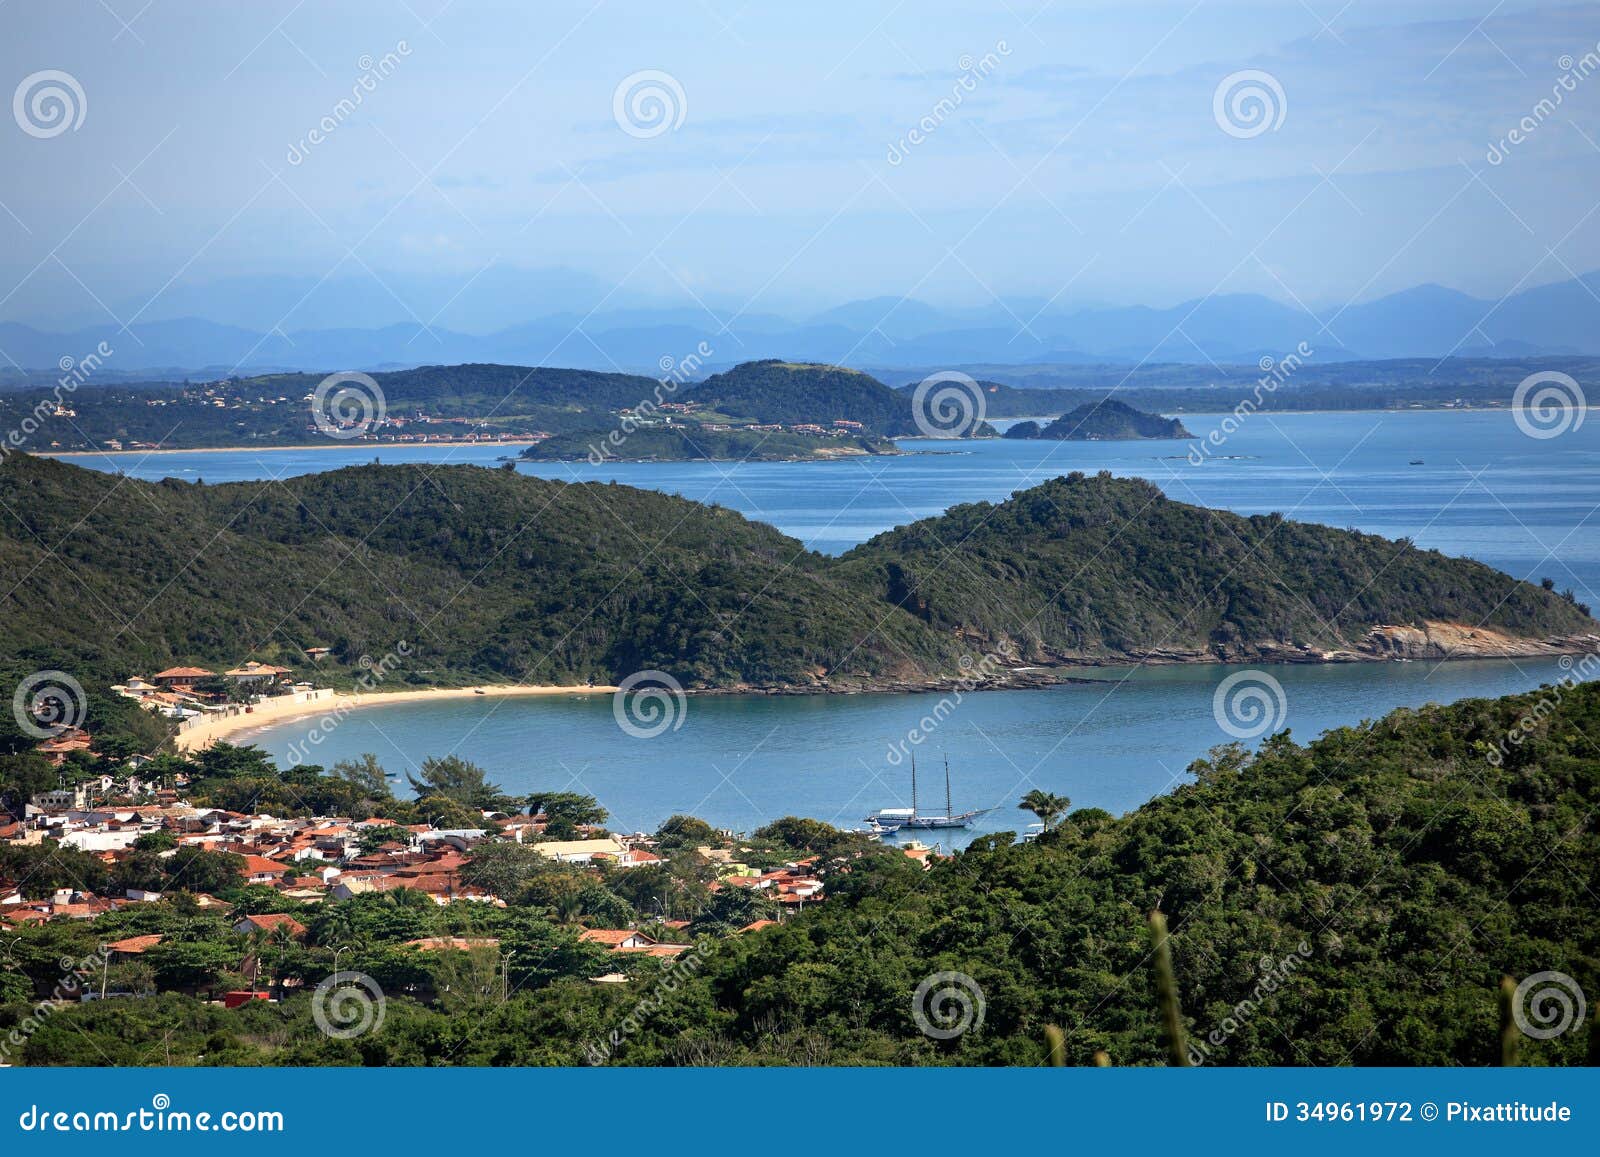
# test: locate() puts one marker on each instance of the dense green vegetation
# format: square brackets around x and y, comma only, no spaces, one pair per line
[694,443]
[787,392]
[491,575]
[1402,867]
[1096,567]
[1106,419]
[485,574]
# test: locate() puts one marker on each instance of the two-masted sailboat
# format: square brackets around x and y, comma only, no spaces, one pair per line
[892,819]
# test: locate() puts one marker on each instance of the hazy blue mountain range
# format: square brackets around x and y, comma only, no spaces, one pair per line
[219,338]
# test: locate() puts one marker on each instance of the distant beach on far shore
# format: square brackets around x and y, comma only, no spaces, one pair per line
[268,713]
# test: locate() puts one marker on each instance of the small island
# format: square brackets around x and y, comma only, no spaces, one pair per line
[1104,421]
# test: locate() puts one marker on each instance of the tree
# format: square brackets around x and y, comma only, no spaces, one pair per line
[142,870]
[805,835]
[190,965]
[731,909]
[502,868]
[568,805]
[1046,805]
[159,841]
[685,832]
[202,871]
[365,773]
[443,812]
[456,779]
[23,775]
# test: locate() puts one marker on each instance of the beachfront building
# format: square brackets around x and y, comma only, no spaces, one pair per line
[257,675]
[181,678]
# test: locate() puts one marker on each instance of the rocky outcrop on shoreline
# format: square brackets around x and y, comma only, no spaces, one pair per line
[1435,641]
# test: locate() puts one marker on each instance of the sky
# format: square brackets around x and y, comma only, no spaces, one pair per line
[799,156]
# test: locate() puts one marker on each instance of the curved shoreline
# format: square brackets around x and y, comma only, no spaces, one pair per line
[271,714]
[379,446]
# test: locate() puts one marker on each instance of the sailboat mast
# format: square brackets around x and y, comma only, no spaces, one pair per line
[948,810]
[913,785]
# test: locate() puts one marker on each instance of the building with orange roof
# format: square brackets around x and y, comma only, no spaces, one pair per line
[269,923]
[260,870]
[185,677]
[257,674]
[132,946]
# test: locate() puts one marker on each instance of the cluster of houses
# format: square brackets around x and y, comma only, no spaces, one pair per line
[189,693]
[328,859]
[838,429]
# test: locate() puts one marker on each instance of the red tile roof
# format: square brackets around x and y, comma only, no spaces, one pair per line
[270,921]
[260,866]
[133,945]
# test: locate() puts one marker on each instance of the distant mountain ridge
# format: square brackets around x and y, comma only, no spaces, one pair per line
[1426,321]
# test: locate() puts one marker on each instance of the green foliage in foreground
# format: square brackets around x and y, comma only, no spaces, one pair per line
[1401,868]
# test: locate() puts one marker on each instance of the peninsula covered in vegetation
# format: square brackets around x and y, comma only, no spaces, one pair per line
[1105,420]
[493,576]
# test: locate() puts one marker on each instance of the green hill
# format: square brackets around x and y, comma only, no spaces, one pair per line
[490,575]
[1101,568]
[788,392]
[487,574]
[1105,420]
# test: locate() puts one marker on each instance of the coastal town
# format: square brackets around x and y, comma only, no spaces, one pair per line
[118,837]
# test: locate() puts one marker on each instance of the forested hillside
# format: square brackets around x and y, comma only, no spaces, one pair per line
[785,392]
[490,575]
[1082,567]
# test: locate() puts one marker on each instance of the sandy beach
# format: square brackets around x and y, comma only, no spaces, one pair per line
[518,444]
[268,713]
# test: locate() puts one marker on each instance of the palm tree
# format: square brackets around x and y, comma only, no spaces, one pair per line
[1046,805]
